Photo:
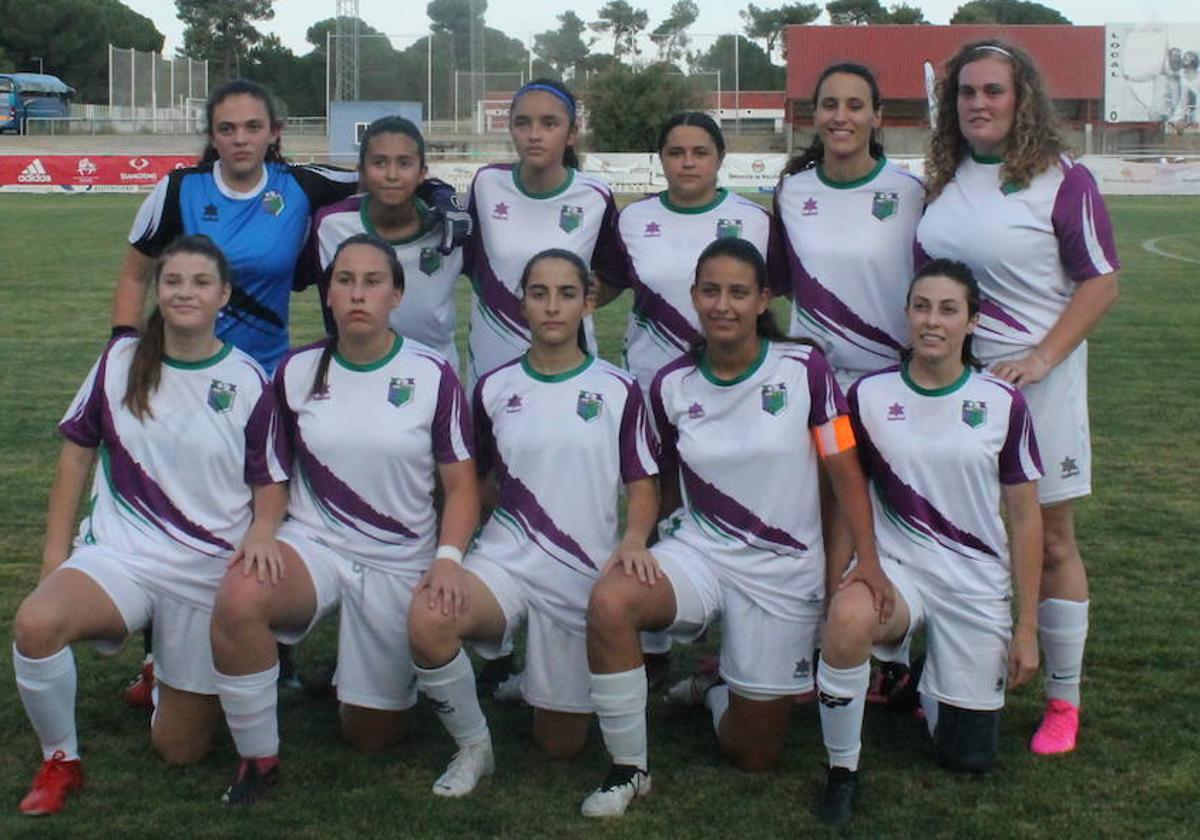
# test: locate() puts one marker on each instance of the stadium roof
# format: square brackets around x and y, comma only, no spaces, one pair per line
[1070,57]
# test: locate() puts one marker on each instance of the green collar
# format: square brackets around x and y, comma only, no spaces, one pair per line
[935,392]
[200,364]
[857,182]
[561,188]
[365,216]
[987,159]
[588,358]
[665,198]
[707,371]
[397,343]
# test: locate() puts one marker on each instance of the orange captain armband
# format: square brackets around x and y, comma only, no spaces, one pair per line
[833,437]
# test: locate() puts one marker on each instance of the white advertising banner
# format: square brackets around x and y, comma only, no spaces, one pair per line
[1152,73]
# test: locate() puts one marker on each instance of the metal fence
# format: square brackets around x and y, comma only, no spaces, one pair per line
[147,80]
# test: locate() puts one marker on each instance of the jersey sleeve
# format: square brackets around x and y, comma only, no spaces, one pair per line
[862,440]
[485,439]
[324,185]
[268,452]
[159,219]
[453,440]
[608,256]
[668,435]
[638,445]
[826,400]
[285,415]
[81,423]
[1086,244]
[476,240]
[620,269]
[778,276]
[1020,460]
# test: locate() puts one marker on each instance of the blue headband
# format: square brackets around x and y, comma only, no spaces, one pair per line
[563,97]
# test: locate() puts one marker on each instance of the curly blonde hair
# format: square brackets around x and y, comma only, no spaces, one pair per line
[1034,141]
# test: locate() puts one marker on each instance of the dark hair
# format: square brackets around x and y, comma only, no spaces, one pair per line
[241,87]
[581,269]
[745,252]
[814,155]
[320,380]
[960,273]
[699,119]
[391,124]
[558,90]
[145,371]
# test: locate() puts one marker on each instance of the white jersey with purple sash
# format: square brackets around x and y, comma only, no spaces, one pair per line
[172,491]
[511,225]
[1027,247]
[747,469]
[561,448]
[367,447]
[935,460]
[849,254]
[661,243]
[426,312]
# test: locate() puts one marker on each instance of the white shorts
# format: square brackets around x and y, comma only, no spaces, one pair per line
[761,653]
[1058,405]
[556,665]
[182,650]
[966,640]
[374,663]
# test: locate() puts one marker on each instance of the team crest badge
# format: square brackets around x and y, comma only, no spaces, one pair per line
[774,398]
[589,405]
[729,228]
[431,260]
[974,413]
[570,218]
[221,396]
[273,202]
[884,205]
[400,391]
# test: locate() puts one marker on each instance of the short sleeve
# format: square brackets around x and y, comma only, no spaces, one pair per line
[778,275]
[159,219]
[638,445]
[324,185]
[485,438]
[1086,244]
[1020,460]
[82,422]
[608,257]
[268,452]
[453,440]
[826,400]
[668,434]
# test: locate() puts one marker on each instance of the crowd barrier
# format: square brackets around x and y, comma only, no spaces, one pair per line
[626,172]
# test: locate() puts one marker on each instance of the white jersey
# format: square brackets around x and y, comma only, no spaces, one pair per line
[561,448]
[850,260]
[661,243]
[511,225]
[366,449]
[173,491]
[1027,247]
[936,460]
[747,467]
[426,312]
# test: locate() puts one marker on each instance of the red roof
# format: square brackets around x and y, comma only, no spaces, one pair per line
[1070,57]
[763,100]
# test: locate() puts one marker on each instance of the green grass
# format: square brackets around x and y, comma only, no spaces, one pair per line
[1137,771]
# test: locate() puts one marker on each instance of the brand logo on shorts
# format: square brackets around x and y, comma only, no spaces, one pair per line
[974,413]
[810,207]
[570,218]
[221,396]
[210,212]
[1070,469]
[513,405]
[774,398]
[400,391]
[589,405]
[729,228]
[884,205]
[803,667]
[500,211]
[273,202]
[652,229]
[831,702]
[431,260]
[895,411]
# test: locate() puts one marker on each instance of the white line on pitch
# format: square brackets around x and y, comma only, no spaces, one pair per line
[1151,245]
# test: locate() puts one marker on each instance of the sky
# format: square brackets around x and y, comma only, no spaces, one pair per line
[521,18]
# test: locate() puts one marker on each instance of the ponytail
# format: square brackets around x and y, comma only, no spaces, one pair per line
[145,371]
[321,381]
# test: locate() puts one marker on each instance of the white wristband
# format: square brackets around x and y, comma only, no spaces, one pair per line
[449,552]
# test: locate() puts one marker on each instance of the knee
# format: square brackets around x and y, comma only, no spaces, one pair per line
[38,632]
[966,740]
[1058,540]
[179,751]
[849,624]
[756,758]
[611,604]
[429,632]
[560,747]
[371,731]
[241,602]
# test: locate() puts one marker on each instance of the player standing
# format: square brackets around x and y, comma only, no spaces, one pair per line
[184,427]
[373,419]
[747,419]
[1033,228]
[562,432]
[943,446]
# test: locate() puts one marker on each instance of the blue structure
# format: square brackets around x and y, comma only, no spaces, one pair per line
[348,120]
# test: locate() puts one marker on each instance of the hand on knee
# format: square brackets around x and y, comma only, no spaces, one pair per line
[433,637]
[966,740]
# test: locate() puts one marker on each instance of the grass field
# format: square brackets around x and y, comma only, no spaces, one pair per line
[1136,772]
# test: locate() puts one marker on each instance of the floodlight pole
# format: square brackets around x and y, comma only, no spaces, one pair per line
[737,87]
[429,79]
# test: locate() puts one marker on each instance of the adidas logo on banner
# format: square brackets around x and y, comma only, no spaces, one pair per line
[34,173]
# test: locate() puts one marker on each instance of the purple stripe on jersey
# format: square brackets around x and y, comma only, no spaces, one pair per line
[520,502]
[1020,441]
[635,434]
[497,297]
[450,414]
[607,259]
[84,426]
[263,433]
[655,309]
[828,310]
[342,503]
[825,397]
[991,309]
[668,434]
[921,257]
[1086,244]
[474,247]
[728,514]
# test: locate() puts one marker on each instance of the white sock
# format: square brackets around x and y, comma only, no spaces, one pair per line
[250,702]
[930,706]
[656,641]
[620,701]
[716,699]
[1062,631]
[451,689]
[47,689]
[842,698]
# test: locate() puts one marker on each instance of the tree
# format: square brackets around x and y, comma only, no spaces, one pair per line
[626,106]
[222,30]
[754,72]
[564,48]
[458,18]
[768,24]
[903,13]
[862,12]
[1006,11]
[671,36]
[624,22]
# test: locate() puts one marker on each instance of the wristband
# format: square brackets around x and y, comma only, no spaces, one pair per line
[449,552]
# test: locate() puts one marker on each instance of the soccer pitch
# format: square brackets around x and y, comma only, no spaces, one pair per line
[1135,773]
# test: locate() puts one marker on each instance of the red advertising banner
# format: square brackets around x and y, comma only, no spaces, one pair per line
[87,172]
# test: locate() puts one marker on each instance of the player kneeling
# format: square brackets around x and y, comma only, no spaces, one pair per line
[943,444]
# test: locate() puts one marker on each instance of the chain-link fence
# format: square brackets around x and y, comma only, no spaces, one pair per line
[149,92]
